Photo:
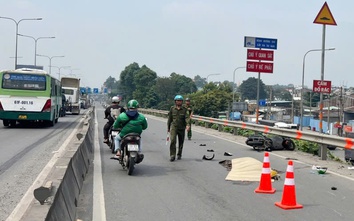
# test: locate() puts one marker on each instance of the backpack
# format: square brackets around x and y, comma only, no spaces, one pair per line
[115,113]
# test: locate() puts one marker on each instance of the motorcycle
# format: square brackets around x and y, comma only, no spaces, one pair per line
[112,135]
[130,155]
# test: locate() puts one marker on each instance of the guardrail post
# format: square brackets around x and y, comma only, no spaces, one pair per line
[219,127]
[234,131]
[206,124]
[323,152]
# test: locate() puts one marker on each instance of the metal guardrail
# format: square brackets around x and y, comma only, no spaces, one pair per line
[324,139]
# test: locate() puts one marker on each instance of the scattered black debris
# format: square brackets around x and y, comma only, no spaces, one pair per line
[227,164]
[208,158]
[334,188]
[227,154]
[114,158]
[290,158]
[202,144]
[210,150]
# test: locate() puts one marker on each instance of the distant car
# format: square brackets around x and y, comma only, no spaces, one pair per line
[281,125]
[269,143]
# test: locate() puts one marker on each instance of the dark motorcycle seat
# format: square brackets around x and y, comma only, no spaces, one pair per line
[131,135]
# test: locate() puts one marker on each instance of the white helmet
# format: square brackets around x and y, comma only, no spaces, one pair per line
[115,99]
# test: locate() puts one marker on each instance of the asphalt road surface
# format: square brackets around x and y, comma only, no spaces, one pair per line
[25,151]
[196,189]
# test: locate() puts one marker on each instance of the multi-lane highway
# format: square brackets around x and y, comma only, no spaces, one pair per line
[195,189]
[25,152]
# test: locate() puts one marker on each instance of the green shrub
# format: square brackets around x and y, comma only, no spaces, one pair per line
[307,146]
[228,129]
[214,126]
[201,123]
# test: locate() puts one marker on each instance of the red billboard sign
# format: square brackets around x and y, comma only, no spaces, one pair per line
[254,66]
[264,55]
[321,86]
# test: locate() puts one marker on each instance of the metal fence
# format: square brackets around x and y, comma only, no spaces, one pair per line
[323,139]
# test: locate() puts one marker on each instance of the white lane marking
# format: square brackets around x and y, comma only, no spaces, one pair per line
[99,211]
[27,199]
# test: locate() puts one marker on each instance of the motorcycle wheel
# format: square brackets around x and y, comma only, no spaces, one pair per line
[131,165]
[290,145]
[268,145]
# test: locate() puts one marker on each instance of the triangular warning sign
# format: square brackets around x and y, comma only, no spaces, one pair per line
[325,16]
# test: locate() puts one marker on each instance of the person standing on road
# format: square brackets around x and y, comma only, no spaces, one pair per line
[190,110]
[178,121]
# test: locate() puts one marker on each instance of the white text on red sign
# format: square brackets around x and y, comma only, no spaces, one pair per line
[264,55]
[321,86]
[265,67]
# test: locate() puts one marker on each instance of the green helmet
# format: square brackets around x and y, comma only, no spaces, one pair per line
[133,104]
[178,98]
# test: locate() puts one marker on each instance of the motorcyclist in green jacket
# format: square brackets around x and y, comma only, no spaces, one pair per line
[130,122]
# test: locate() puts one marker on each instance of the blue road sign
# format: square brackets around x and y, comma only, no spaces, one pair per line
[95,90]
[83,90]
[256,42]
[89,90]
[105,90]
[262,103]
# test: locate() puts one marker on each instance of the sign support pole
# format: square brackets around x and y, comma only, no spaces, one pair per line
[323,147]
[257,110]
[322,76]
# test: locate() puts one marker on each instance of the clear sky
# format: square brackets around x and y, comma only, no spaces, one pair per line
[190,37]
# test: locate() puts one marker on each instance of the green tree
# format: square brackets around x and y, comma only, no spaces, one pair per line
[199,81]
[127,80]
[281,93]
[165,89]
[248,89]
[183,84]
[144,80]
[112,85]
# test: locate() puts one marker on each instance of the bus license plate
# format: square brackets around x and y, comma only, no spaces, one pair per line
[133,147]
[22,117]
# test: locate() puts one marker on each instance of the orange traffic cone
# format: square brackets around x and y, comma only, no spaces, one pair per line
[265,185]
[288,200]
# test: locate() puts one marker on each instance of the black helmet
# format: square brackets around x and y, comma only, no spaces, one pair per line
[187,99]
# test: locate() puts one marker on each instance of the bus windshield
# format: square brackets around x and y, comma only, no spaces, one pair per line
[21,81]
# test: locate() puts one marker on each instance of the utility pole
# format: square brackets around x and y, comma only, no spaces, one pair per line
[340,104]
[270,102]
[292,105]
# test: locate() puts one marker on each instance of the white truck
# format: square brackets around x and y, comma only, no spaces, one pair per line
[71,90]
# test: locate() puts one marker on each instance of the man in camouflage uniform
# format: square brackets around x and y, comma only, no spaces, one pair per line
[190,110]
[178,121]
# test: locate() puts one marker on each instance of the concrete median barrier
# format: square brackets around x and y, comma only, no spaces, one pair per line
[67,177]
[73,179]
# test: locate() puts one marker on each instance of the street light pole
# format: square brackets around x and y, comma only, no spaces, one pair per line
[61,68]
[211,75]
[233,85]
[302,83]
[35,45]
[17,23]
[50,60]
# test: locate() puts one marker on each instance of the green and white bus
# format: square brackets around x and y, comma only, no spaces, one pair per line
[29,95]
